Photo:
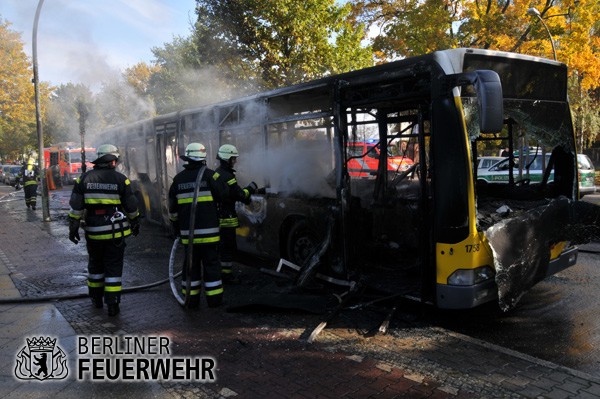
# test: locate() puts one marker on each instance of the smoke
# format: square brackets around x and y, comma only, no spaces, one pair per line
[296,167]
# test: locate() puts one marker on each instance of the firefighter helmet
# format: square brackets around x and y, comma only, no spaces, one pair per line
[227,151]
[30,161]
[195,152]
[107,153]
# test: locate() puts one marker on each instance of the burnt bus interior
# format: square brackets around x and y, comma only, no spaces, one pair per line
[293,142]
[374,225]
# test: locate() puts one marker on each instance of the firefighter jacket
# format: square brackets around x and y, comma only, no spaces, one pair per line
[181,195]
[106,196]
[227,214]
[29,175]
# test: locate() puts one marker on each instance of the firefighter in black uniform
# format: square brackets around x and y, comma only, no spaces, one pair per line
[111,214]
[29,177]
[228,220]
[205,232]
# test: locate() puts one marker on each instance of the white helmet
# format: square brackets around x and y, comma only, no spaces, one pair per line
[195,152]
[227,151]
[107,153]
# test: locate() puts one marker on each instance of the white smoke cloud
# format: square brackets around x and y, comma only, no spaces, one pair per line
[300,167]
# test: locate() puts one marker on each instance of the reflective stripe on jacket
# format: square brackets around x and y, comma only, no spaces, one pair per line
[103,192]
[181,195]
[227,214]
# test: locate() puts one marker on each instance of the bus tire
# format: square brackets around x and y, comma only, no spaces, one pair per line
[301,242]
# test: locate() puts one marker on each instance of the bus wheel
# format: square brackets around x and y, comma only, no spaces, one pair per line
[301,242]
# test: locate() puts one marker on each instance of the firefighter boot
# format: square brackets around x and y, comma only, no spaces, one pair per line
[230,278]
[214,301]
[194,302]
[113,309]
[97,302]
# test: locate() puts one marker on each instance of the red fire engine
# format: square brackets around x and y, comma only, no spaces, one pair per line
[364,159]
[64,160]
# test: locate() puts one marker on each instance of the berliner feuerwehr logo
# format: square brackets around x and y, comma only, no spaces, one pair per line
[41,360]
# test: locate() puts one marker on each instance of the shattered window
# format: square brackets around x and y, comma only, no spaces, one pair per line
[521,198]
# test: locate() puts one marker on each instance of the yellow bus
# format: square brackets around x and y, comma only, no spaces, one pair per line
[429,231]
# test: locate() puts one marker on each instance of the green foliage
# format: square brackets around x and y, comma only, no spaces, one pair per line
[415,27]
[242,46]
[281,43]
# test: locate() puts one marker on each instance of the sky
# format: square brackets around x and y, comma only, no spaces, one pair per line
[88,41]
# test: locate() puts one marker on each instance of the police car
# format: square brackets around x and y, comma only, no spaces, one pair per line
[532,170]
[587,175]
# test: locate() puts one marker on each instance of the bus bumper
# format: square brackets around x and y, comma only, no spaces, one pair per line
[566,259]
[466,297]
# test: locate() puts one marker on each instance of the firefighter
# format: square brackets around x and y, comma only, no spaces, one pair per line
[228,220]
[111,214]
[205,253]
[28,176]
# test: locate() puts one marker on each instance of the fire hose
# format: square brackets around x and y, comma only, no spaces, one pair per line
[77,296]
[170,279]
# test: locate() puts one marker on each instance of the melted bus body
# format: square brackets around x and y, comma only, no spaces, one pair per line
[418,230]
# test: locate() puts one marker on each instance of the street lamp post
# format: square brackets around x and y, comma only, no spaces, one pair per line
[534,12]
[38,119]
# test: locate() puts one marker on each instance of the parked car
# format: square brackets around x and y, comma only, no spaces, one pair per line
[11,175]
[498,173]
[5,169]
[587,175]
[1,173]
[488,162]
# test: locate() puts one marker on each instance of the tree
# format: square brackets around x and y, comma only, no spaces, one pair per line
[17,106]
[278,43]
[138,77]
[62,118]
[239,47]
[181,80]
[118,103]
[414,27]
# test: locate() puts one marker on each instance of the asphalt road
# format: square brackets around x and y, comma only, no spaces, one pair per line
[555,321]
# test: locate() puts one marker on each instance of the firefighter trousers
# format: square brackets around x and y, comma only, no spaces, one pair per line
[228,249]
[207,256]
[105,269]
[30,191]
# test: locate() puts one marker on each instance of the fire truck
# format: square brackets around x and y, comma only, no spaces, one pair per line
[64,160]
[364,160]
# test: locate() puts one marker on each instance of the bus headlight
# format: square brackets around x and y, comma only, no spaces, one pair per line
[471,276]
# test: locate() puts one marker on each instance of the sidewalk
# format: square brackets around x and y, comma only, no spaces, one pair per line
[259,354]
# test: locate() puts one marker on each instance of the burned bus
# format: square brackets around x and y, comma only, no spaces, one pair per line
[431,230]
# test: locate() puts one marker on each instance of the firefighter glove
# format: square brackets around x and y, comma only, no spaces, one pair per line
[252,187]
[135,226]
[74,230]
